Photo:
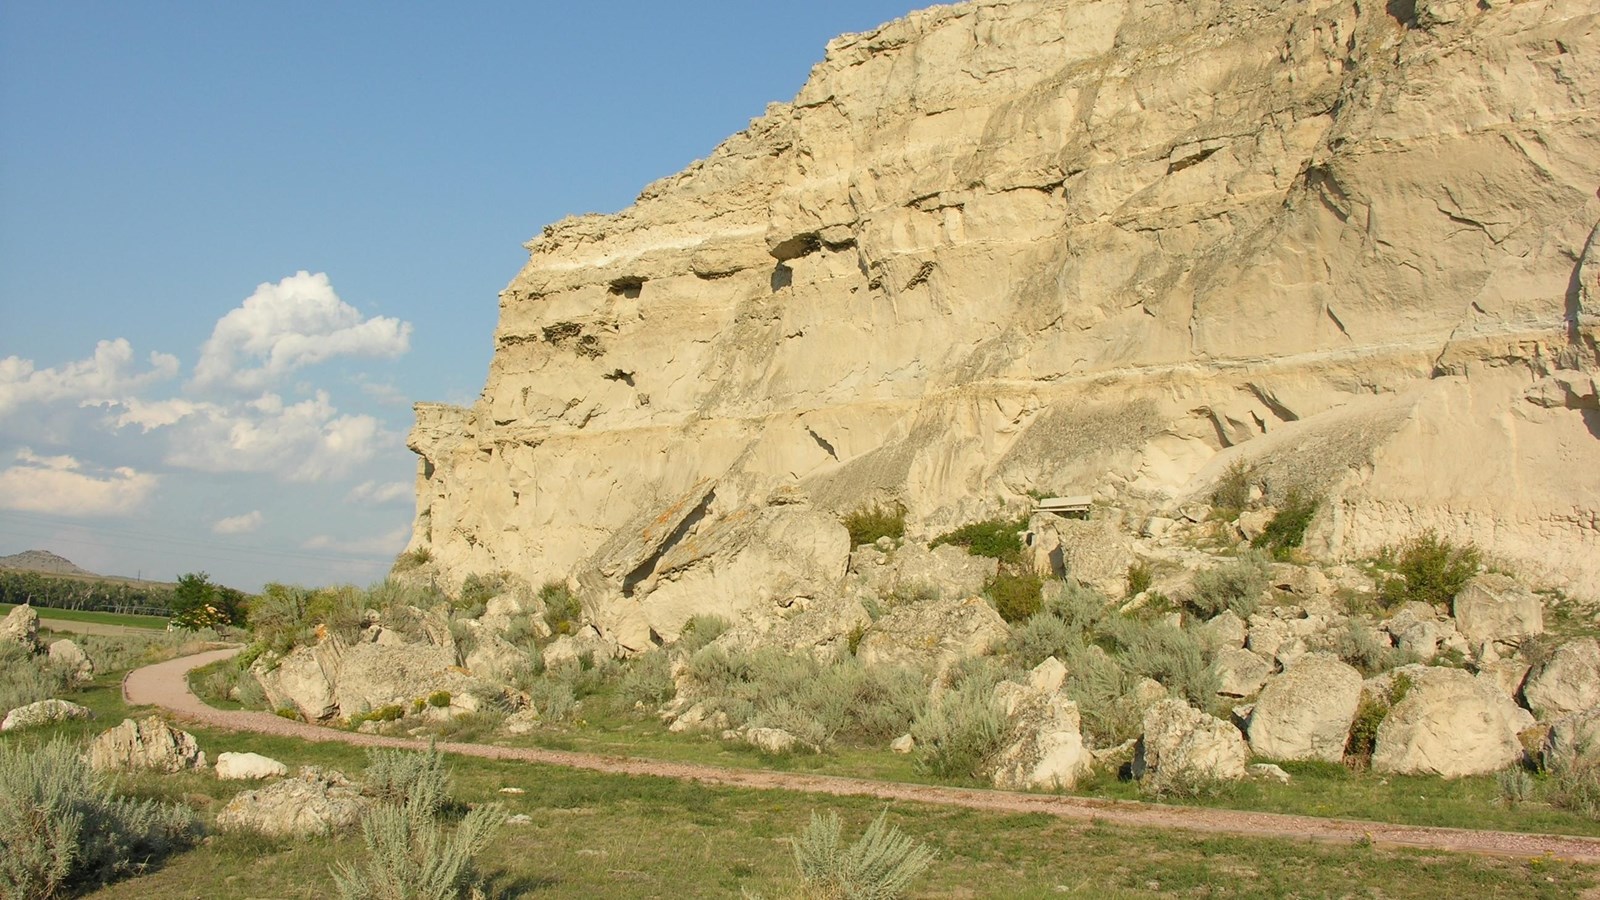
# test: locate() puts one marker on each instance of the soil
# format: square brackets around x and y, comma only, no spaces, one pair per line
[166,685]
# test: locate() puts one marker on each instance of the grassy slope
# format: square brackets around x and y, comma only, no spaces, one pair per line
[102,618]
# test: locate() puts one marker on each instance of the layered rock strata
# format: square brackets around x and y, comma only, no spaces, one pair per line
[1102,247]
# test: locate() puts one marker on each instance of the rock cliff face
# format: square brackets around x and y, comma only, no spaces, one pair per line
[1070,246]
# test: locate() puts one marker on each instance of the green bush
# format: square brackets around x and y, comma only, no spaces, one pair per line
[1574,784]
[1161,652]
[1363,739]
[961,729]
[1515,785]
[869,523]
[1429,569]
[1232,491]
[646,680]
[1363,647]
[389,713]
[1235,585]
[1140,577]
[563,612]
[477,590]
[994,538]
[62,829]
[417,780]
[439,699]
[412,559]
[409,858]
[1016,596]
[26,679]
[552,697]
[1287,529]
[880,865]
[699,631]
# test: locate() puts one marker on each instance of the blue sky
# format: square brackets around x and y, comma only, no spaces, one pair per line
[237,241]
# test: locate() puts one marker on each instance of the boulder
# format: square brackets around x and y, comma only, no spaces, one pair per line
[1568,682]
[936,633]
[70,658]
[1093,552]
[313,803]
[1417,628]
[1241,673]
[903,744]
[1450,724]
[372,676]
[1225,631]
[1305,712]
[146,744]
[21,626]
[302,680]
[1494,607]
[771,740]
[1574,738]
[1044,749]
[1181,743]
[248,767]
[495,658]
[44,712]
[914,570]
[821,627]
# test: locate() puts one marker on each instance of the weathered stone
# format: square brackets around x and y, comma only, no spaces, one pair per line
[494,658]
[1044,748]
[1241,673]
[248,767]
[1449,724]
[821,627]
[920,283]
[913,571]
[903,744]
[771,740]
[934,634]
[313,803]
[1181,743]
[44,712]
[1305,712]
[567,649]
[372,676]
[1568,682]
[69,657]
[1417,629]
[146,744]
[1493,607]
[1225,631]
[21,626]
[302,680]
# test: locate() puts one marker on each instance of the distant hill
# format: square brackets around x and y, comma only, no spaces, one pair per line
[42,561]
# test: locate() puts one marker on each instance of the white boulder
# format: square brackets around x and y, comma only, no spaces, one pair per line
[1305,712]
[248,767]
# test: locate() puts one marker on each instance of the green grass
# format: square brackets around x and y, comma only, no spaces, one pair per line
[602,836]
[47,614]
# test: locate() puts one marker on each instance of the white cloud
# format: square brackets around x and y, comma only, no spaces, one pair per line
[282,327]
[150,415]
[373,492]
[382,545]
[107,375]
[59,485]
[244,524]
[305,441]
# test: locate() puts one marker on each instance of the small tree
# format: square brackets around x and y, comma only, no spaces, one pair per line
[196,602]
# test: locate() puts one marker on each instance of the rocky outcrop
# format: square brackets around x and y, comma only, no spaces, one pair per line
[1044,749]
[1305,712]
[315,802]
[1182,744]
[248,767]
[335,680]
[913,570]
[147,744]
[1104,248]
[1494,607]
[44,712]
[935,633]
[1450,724]
[1567,683]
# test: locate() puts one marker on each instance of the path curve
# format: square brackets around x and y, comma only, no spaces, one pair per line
[166,685]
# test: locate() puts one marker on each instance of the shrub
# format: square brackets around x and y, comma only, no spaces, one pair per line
[1235,585]
[408,857]
[1162,652]
[960,730]
[869,523]
[1363,647]
[389,713]
[1016,596]
[1188,783]
[477,590]
[412,559]
[1515,784]
[552,696]
[1574,784]
[563,612]
[1232,491]
[417,780]
[26,679]
[1429,569]
[61,828]
[880,865]
[1140,577]
[1287,529]
[1370,713]
[994,538]
[699,631]
[439,699]
[647,680]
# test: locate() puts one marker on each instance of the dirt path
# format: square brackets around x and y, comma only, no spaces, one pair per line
[165,685]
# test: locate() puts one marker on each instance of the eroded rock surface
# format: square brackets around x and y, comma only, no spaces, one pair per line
[145,744]
[1072,248]
[1305,712]
[44,712]
[1450,724]
[314,802]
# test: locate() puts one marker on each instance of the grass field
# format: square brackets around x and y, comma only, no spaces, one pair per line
[46,614]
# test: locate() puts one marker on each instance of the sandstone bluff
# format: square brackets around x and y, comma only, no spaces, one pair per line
[1100,247]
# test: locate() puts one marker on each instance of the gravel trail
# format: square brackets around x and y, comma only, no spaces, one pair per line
[165,685]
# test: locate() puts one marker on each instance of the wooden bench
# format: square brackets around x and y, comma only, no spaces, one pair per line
[1066,506]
